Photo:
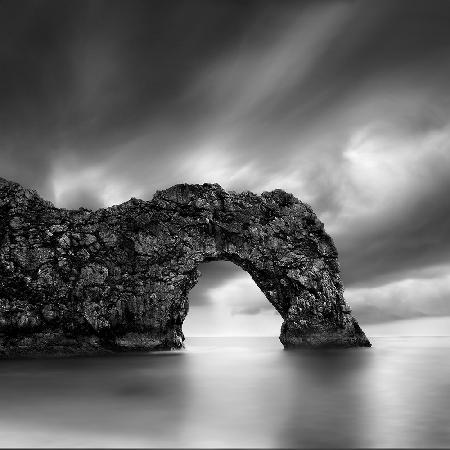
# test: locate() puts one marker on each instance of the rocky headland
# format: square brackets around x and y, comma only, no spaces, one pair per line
[118,279]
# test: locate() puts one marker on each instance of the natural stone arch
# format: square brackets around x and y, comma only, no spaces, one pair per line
[119,278]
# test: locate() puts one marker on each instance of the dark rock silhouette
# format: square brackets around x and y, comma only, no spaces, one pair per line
[81,281]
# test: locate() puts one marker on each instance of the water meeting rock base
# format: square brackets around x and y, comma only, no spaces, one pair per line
[118,279]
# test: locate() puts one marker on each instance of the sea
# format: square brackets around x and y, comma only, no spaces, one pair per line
[234,392]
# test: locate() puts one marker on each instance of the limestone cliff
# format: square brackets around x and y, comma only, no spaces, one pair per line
[81,281]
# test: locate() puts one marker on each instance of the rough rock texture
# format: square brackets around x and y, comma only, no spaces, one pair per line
[81,281]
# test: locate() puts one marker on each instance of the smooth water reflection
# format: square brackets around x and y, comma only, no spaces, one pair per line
[233,392]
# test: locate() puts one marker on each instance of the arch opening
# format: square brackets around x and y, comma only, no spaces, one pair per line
[227,302]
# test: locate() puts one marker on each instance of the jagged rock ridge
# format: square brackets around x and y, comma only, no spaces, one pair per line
[81,281]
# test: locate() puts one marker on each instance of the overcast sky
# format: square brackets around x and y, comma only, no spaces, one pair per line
[343,103]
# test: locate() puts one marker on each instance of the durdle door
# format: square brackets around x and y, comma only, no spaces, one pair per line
[117,279]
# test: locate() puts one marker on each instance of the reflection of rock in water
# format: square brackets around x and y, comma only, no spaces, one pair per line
[118,278]
[245,393]
[327,409]
[121,401]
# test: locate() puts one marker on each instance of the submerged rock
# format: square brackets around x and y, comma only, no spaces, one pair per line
[80,281]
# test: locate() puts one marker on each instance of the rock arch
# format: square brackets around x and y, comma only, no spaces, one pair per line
[81,281]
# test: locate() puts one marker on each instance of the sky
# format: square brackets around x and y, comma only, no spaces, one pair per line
[343,103]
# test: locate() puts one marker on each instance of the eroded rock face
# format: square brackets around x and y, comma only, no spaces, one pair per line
[81,281]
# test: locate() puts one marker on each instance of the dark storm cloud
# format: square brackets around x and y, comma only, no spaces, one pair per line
[406,298]
[213,275]
[80,78]
[410,236]
[395,258]
[343,103]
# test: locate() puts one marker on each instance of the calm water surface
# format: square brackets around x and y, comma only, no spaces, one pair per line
[233,392]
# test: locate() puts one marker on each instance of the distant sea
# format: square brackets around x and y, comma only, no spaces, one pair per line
[233,392]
